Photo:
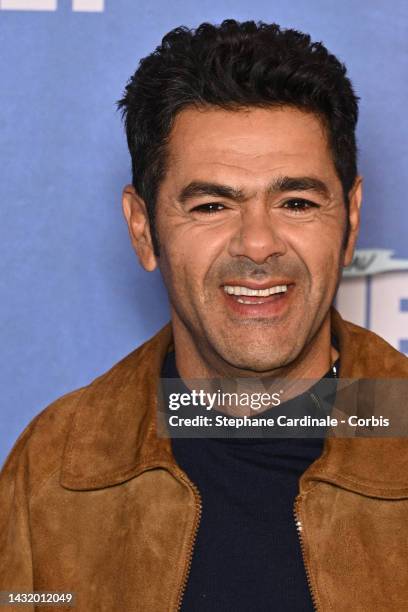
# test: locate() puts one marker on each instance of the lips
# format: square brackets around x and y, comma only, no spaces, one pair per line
[260,306]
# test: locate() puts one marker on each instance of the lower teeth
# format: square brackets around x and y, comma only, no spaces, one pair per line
[245,302]
[241,301]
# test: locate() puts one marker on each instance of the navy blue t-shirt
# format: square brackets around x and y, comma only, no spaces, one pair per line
[247,555]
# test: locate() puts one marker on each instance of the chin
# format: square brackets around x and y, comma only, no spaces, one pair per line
[258,363]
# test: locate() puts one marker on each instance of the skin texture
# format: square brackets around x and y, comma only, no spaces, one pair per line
[260,234]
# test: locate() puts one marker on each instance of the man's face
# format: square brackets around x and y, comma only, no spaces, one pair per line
[250,221]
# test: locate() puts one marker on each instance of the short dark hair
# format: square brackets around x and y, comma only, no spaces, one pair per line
[234,65]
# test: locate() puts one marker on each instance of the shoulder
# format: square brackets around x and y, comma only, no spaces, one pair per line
[38,450]
[374,356]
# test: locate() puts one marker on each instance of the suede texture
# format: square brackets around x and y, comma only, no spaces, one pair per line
[92,501]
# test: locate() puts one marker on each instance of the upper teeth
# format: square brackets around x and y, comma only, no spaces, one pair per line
[237,290]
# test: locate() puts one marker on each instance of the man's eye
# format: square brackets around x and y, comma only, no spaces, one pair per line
[299,206]
[212,207]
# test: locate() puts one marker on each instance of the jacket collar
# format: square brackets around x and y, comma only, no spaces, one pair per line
[113,435]
[113,432]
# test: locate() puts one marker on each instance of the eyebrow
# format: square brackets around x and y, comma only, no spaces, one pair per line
[202,188]
[299,183]
[280,184]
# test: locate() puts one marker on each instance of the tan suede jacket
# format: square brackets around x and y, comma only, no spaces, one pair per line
[92,501]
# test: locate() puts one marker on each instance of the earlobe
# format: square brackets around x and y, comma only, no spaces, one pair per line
[137,219]
[355,200]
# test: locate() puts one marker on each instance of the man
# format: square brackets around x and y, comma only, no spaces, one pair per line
[245,194]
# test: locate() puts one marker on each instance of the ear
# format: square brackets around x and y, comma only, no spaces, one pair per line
[355,199]
[134,209]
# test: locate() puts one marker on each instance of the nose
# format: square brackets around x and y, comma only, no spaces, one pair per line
[259,235]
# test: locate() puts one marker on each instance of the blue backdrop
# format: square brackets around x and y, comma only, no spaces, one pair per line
[74,298]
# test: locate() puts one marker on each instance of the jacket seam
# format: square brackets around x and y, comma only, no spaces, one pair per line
[374,483]
[43,484]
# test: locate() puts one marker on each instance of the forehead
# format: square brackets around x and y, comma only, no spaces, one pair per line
[253,143]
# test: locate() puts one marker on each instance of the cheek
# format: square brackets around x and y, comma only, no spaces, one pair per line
[185,264]
[192,251]
[320,251]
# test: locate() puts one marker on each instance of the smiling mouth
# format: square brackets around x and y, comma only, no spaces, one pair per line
[251,295]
